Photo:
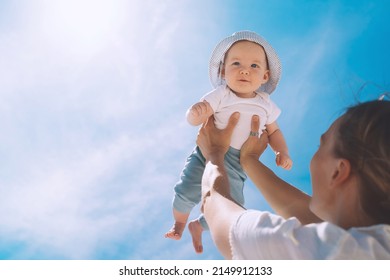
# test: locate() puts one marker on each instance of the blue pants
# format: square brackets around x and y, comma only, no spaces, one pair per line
[188,190]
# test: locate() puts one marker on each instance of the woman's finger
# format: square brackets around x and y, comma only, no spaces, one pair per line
[255,124]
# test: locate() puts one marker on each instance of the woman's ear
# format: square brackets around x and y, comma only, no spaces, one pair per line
[342,172]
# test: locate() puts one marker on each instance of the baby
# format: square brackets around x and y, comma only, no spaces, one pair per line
[244,70]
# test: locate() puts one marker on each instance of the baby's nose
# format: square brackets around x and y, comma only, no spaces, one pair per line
[244,71]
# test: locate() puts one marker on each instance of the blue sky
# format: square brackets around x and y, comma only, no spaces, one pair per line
[93,95]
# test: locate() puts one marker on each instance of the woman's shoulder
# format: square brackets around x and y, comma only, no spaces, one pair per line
[324,240]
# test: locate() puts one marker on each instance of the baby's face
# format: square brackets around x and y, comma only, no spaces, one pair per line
[245,68]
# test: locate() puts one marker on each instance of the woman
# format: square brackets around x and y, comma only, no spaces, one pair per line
[348,216]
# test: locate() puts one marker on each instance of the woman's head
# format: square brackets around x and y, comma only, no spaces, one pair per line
[361,138]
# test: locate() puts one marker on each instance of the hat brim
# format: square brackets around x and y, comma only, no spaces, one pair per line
[217,58]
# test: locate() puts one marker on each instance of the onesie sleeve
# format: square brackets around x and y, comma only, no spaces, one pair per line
[214,97]
[274,112]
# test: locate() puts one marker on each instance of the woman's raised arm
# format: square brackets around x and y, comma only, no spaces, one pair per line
[218,207]
[285,199]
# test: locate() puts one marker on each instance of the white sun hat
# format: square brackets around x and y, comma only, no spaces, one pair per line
[218,56]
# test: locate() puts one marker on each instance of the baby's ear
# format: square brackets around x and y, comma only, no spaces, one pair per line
[266,76]
[222,70]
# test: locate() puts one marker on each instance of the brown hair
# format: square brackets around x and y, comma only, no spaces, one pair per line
[363,138]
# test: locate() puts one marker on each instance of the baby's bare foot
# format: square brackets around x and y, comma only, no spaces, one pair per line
[196,232]
[176,231]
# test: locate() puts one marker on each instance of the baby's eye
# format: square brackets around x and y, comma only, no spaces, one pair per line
[255,65]
[236,63]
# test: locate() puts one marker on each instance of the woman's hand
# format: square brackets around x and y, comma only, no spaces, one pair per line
[254,146]
[214,141]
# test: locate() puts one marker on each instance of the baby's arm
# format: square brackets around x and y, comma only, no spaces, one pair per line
[278,144]
[199,113]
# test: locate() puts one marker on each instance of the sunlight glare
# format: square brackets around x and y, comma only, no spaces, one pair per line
[83,26]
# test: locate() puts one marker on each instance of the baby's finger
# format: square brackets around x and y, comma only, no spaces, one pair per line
[287,165]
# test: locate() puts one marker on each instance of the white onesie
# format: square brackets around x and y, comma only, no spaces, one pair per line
[224,103]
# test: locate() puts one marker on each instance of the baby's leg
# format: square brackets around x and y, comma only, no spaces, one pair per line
[196,228]
[236,175]
[237,178]
[187,193]
[196,231]
[178,227]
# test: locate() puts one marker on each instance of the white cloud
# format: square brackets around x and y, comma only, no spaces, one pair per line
[91,126]
[71,202]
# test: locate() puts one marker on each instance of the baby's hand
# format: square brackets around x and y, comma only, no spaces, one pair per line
[283,160]
[198,109]
[199,113]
